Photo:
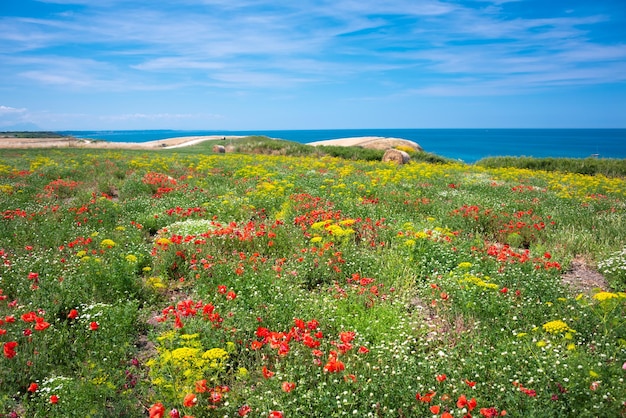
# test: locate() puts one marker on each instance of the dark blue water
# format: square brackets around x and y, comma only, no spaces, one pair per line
[468,145]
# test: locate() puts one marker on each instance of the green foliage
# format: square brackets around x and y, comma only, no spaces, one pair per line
[281,279]
[607,166]
[352,153]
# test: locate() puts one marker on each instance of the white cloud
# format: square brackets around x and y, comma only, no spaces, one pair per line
[261,43]
[4,110]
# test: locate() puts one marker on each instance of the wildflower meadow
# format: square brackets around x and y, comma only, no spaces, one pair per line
[185,283]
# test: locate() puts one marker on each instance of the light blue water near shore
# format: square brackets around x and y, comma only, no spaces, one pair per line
[468,145]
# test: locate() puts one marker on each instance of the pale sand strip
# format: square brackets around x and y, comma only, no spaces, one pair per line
[88,143]
[364,141]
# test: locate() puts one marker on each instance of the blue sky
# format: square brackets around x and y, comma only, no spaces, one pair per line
[312,64]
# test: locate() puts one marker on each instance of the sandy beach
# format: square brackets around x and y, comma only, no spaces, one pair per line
[169,143]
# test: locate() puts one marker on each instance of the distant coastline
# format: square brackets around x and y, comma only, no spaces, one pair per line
[467,145]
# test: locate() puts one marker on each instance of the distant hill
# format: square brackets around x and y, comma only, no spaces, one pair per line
[31,134]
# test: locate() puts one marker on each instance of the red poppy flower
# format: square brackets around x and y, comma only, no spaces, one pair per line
[288,386]
[267,373]
[283,349]
[470,383]
[190,400]
[427,398]
[73,314]
[41,324]
[363,350]
[215,397]
[9,349]
[333,365]
[231,295]
[157,410]
[441,377]
[33,387]
[347,336]
[244,410]
[435,409]
[312,324]
[489,412]
[201,386]
[29,317]
[276,414]
[54,399]
[94,326]
[462,402]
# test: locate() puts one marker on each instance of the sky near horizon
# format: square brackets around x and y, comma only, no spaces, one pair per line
[311,64]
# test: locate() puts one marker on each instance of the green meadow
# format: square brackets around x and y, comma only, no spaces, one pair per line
[278,281]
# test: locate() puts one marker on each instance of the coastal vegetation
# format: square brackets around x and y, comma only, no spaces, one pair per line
[285,282]
[31,134]
[610,167]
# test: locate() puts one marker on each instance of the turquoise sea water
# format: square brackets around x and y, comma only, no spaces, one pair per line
[468,145]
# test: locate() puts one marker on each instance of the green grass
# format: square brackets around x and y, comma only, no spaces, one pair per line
[609,167]
[276,277]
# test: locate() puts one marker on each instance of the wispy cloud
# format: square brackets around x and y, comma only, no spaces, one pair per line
[261,44]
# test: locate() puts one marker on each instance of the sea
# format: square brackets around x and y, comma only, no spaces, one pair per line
[467,145]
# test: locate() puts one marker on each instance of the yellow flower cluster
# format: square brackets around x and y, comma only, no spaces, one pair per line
[334,231]
[602,296]
[556,327]
[107,243]
[477,281]
[182,361]
[155,283]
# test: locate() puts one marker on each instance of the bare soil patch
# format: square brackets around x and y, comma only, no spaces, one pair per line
[582,278]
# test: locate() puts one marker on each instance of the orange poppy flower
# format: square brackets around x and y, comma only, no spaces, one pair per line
[425,398]
[157,410]
[190,400]
[267,373]
[288,386]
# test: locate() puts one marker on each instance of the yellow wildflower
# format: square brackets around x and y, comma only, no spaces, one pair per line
[107,243]
[163,241]
[215,353]
[602,296]
[556,327]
